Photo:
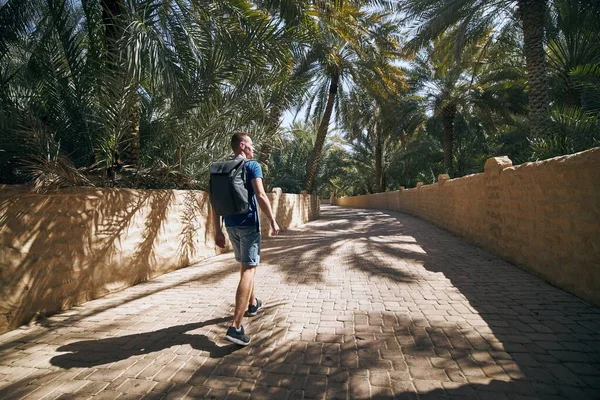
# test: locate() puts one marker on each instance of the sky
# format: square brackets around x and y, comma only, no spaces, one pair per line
[288,118]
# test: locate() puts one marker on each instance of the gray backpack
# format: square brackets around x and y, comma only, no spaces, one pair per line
[228,191]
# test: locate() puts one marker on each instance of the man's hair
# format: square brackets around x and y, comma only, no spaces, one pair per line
[236,139]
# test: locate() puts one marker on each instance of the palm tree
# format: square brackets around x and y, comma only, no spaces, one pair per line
[379,116]
[573,54]
[280,92]
[574,41]
[351,45]
[88,76]
[476,83]
[475,16]
[287,161]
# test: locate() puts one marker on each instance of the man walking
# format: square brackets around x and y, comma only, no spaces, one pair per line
[244,234]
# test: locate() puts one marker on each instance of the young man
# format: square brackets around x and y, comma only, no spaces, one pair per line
[244,234]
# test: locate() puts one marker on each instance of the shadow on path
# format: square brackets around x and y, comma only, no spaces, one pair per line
[372,305]
[500,328]
[307,260]
[90,353]
[137,292]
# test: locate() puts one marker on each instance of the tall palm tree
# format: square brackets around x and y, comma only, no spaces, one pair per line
[363,119]
[280,92]
[475,83]
[474,16]
[287,161]
[350,45]
[379,116]
[283,88]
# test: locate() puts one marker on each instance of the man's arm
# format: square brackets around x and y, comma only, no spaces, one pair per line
[265,205]
[219,237]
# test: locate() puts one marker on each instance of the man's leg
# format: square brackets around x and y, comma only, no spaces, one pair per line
[242,296]
[252,299]
[252,246]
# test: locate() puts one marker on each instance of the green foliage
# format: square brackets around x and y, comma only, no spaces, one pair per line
[287,165]
[575,130]
[161,85]
[149,95]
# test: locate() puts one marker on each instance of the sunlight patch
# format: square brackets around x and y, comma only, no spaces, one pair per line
[393,239]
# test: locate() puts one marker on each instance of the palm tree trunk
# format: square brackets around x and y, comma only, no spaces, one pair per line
[112,19]
[113,14]
[130,146]
[448,115]
[265,156]
[315,156]
[378,159]
[266,149]
[532,14]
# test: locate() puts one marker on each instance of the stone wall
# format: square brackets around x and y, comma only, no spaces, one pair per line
[62,249]
[542,216]
[291,210]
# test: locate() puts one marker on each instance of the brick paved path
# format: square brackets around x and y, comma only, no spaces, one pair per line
[359,304]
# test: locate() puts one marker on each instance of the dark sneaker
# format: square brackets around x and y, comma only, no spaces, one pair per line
[253,310]
[237,337]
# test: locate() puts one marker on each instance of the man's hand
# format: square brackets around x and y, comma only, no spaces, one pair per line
[265,205]
[274,228]
[219,238]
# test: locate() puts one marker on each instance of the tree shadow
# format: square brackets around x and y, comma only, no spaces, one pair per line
[467,325]
[538,340]
[388,356]
[145,289]
[92,243]
[486,328]
[304,254]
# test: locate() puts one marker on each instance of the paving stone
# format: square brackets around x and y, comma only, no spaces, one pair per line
[237,396]
[425,386]
[359,387]
[293,382]
[428,374]
[267,393]
[111,395]
[92,388]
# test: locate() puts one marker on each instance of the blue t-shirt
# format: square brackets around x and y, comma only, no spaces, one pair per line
[253,171]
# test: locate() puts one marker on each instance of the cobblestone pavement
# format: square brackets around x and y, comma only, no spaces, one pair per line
[359,304]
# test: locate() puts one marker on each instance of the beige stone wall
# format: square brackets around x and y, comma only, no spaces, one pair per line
[291,210]
[62,249]
[542,216]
